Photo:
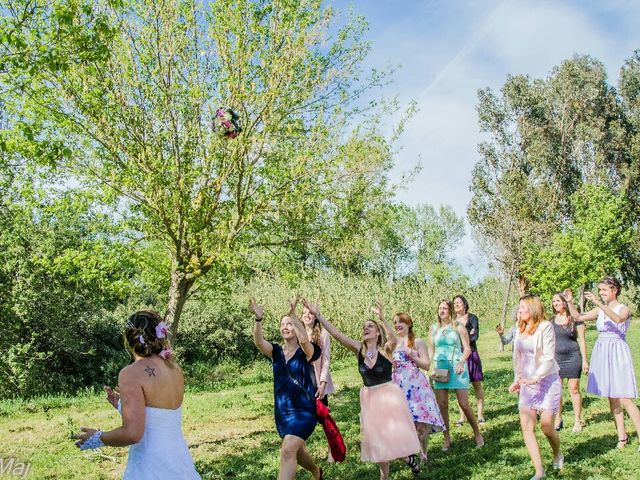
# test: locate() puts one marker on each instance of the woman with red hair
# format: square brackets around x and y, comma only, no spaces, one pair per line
[409,357]
[537,379]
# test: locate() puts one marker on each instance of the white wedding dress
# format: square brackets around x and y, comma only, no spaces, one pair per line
[162,452]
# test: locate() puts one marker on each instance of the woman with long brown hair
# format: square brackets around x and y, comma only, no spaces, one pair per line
[571,355]
[611,372]
[386,424]
[449,348]
[537,380]
[151,390]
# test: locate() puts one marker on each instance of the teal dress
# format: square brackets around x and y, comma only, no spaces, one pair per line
[448,344]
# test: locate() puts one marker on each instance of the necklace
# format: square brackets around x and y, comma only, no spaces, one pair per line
[370,355]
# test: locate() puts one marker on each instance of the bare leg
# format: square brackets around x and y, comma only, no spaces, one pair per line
[558,416]
[289,456]
[306,461]
[477,387]
[463,401]
[633,411]
[576,401]
[528,425]
[546,425]
[618,419]
[384,470]
[442,397]
[424,431]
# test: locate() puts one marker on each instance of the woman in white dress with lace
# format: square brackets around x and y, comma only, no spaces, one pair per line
[150,402]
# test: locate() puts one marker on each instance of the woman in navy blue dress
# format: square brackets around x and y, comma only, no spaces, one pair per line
[294,389]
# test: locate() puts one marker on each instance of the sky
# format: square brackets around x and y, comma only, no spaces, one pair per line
[448,49]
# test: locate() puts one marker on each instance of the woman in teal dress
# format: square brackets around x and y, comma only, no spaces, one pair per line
[449,348]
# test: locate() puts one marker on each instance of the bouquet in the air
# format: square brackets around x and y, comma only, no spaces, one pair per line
[226,123]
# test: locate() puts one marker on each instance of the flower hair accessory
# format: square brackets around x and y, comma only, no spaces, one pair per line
[141,338]
[226,123]
[166,353]
[162,330]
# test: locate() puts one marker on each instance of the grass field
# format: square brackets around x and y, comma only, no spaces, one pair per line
[231,434]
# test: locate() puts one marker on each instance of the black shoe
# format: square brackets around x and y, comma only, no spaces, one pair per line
[414,465]
[560,426]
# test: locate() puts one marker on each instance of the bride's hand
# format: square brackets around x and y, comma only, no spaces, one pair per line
[112,396]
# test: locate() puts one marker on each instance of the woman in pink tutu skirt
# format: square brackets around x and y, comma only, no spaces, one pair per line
[611,371]
[409,357]
[537,379]
[386,424]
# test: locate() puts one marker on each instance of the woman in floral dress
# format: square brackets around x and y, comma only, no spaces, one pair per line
[409,357]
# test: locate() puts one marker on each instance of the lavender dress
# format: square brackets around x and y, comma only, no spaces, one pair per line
[611,371]
[544,396]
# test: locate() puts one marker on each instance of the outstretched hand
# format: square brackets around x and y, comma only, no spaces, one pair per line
[293,304]
[312,307]
[84,436]
[112,396]
[258,310]
[378,310]
[568,295]
[591,297]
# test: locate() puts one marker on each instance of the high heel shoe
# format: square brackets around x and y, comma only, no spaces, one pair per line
[559,463]
[412,461]
[622,443]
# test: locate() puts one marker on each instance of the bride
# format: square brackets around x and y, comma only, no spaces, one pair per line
[150,402]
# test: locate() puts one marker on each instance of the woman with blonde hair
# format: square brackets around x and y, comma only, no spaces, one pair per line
[449,348]
[386,424]
[537,380]
[321,366]
[409,357]
[293,388]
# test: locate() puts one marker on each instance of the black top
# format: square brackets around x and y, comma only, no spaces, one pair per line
[566,336]
[378,374]
[473,324]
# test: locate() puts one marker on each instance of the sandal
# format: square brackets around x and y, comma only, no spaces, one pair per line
[459,423]
[577,427]
[412,461]
[560,426]
[481,421]
[622,443]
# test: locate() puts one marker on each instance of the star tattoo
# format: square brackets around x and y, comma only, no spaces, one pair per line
[150,371]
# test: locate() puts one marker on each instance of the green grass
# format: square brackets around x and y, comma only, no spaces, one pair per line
[230,431]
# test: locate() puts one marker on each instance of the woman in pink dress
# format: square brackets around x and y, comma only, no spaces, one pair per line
[409,357]
[320,337]
[611,371]
[386,425]
[537,379]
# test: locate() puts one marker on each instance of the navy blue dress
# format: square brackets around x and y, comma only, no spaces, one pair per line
[294,411]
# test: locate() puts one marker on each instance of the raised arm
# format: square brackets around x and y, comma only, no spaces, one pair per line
[351,344]
[392,338]
[301,331]
[258,339]
[420,355]
[577,316]
[616,317]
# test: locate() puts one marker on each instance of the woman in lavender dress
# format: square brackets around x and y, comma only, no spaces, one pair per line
[611,371]
[537,380]
[409,357]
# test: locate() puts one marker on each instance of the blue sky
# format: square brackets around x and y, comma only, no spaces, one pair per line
[450,49]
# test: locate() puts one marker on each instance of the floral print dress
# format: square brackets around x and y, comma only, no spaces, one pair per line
[417,391]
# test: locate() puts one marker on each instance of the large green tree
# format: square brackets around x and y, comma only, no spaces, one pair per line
[131,117]
[548,137]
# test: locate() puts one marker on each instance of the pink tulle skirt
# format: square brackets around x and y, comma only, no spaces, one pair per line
[386,424]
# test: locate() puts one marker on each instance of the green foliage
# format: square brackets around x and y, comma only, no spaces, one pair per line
[592,246]
[549,137]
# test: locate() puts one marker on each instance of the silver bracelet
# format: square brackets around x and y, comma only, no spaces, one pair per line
[94,441]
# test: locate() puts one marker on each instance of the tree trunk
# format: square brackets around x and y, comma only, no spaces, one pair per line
[503,316]
[181,283]
[523,285]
